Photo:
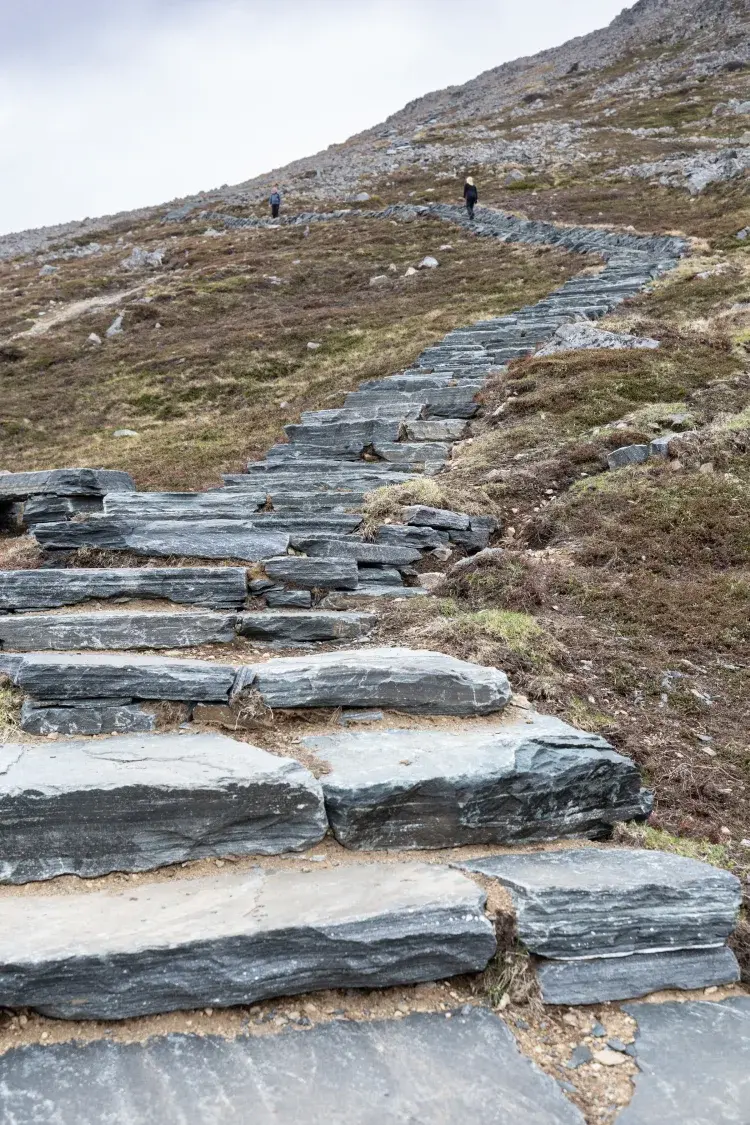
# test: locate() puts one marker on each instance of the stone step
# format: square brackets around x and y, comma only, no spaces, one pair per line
[184,505]
[532,779]
[64,482]
[321,467]
[218,587]
[615,924]
[87,716]
[424,1068]
[295,626]
[426,453]
[49,508]
[404,382]
[402,535]
[437,429]
[284,500]
[210,539]
[402,679]
[367,589]
[70,677]
[34,632]
[235,939]
[137,803]
[374,554]
[314,573]
[364,412]
[447,402]
[340,438]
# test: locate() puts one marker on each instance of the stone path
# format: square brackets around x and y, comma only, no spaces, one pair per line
[454,765]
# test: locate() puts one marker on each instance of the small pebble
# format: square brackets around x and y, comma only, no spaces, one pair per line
[609,1058]
[581,1054]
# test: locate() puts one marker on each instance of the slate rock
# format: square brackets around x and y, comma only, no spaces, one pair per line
[347,437]
[148,506]
[35,632]
[133,804]
[598,980]
[49,508]
[210,539]
[530,779]
[413,453]
[481,529]
[295,626]
[420,1069]
[628,455]
[446,429]
[693,1062]
[86,716]
[383,554]
[312,573]
[218,587]
[441,518]
[380,576]
[583,902]
[238,938]
[65,482]
[278,597]
[71,676]
[420,682]
[403,535]
[579,1057]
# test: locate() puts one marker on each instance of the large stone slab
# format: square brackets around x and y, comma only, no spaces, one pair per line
[295,626]
[402,535]
[65,482]
[184,505]
[422,1069]
[135,803]
[414,680]
[588,902]
[34,632]
[441,518]
[219,587]
[378,554]
[312,573]
[693,1062]
[413,452]
[347,438]
[237,938]
[533,779]
[47,676]
[48,508]
[209,538]
[86,716]
[598,980]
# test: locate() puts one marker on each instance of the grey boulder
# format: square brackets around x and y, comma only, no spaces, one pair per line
[628,455]
[47,676]
[532,779]
[132,804]
[219,587]
[30,632]
[238,938]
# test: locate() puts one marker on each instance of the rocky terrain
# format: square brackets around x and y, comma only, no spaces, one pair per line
[383,703]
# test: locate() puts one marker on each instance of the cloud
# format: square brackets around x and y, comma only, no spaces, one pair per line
[109,107]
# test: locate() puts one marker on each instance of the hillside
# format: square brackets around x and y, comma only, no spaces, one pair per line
[593,486]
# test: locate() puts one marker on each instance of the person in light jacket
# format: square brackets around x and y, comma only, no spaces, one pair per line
[470,196]
[275,201]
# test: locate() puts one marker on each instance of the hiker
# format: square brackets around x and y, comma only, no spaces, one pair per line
[275,201]
[471,196]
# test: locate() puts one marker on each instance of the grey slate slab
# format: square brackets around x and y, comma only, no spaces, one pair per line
[184,505]
[381,554]
[86,716]
[136,803]
[326,573]
[48,676]
[628,455]
[694,1064]
[422,1070]
[413,452]
[209,539]
[349,437]
[601,979]
[65,482]
[48,508]
[218,587]
[441,518]
[446,429]
[279,597]
[35,632]
[413,680]
[239,937]
[403,535]
[532,779]
[587,902]
[300,625]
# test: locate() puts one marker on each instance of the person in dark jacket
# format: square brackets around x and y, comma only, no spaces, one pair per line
[275,201]
[471,196]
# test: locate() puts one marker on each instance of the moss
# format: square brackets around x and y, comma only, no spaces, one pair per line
[656,839]
[582,715]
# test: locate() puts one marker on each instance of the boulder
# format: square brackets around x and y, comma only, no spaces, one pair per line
[132,804]
[628,455]
[86,716]
[47,676]
[402,535]
[402,679]
[238,938]
[529,780]
[219,587]
[325,573]
[31,632]
[296,626]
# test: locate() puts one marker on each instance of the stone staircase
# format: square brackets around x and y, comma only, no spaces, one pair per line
[448,761]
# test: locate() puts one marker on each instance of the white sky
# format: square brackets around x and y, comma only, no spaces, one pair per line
[106,105]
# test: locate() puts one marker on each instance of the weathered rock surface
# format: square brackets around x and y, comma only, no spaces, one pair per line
[34,632]
[132,804]
[297,625]
[422,516]
[387,1072]
[327,573]
[584,902]
[628,455]
[47,676]
[48,508]
[86,716]
[572,337]
[381,554]
[219,587]
[209,538]
[238,938]
[184,505]
[693,1061]
[279,597]
[402,535]
[600,979]
[426,683]
[65,482]
[534,779]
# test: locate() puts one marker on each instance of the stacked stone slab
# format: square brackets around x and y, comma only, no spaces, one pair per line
[616,924]
[57,494]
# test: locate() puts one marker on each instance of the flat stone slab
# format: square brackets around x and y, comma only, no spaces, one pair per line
[47,676]
[184,505]
[694,1063]
[441,518]
[584,902]
[297,625]
[135,803]
[34,632]
[535,779]
[413,680]
[237,938]
[380,554]
[601,979]
[422,1069]
[219,587]
[86,716]
[208,538]
[64,482]
[314,573]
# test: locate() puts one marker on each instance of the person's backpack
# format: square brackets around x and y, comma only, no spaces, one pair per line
[275,199]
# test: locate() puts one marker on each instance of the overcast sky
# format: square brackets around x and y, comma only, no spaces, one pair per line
[107,105]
